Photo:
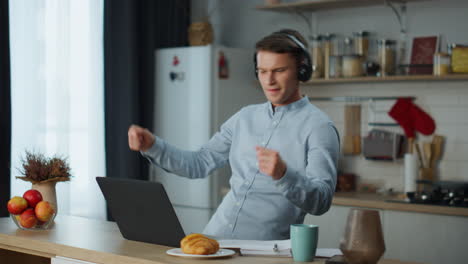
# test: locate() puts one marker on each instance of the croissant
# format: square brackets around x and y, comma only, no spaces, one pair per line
[199,244]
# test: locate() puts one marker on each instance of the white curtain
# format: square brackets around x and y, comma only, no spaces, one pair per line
[57,90]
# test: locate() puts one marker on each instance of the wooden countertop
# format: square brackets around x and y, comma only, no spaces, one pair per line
[386,202]
[101,242]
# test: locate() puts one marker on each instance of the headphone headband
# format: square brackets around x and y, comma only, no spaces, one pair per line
[295,40]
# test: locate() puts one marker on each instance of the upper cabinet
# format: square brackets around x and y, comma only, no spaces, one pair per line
[316,5]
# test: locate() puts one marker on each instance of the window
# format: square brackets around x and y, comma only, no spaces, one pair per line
[57,90]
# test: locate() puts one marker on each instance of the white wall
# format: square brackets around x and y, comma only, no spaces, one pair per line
[238,24]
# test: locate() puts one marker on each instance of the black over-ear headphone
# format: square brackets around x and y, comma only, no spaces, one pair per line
[304,70]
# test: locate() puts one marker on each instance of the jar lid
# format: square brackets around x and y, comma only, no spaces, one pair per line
[361,34]
[329,36]
[315,37]
[386,41]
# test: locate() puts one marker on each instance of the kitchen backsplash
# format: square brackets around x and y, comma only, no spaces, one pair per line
[445,101]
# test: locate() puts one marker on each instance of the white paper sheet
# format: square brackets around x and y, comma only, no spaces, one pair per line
[268,248]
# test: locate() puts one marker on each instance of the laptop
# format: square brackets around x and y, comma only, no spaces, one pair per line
[142,211]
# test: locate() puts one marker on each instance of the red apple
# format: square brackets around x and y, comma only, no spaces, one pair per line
[28,218]
[17,205]
[33,197]
[44,211]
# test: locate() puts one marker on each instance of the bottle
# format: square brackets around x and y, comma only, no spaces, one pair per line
[223,72]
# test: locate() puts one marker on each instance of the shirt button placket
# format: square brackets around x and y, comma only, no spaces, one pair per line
[242,193]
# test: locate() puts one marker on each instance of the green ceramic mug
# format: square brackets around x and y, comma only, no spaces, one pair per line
[304,240]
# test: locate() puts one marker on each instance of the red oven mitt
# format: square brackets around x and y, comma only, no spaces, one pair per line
[410,117]
[401,113]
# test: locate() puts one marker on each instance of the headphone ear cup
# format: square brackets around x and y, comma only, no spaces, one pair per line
[305,69]
[255,65]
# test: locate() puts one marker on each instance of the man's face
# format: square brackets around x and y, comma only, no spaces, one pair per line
[277,73]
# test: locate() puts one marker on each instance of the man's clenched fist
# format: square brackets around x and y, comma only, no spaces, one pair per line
[270,163]
[140,139]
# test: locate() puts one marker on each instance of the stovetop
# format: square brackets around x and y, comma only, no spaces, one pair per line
[444,193]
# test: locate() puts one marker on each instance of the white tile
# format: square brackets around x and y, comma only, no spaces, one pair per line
[462,134]
[449,115]
[438,100]
[335,113]
[401,88]
[463,171]
[448,170]
[455,152]
[449,86]
[463,98]
[450,132]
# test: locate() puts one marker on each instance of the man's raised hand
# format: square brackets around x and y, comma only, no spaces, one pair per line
[140,139]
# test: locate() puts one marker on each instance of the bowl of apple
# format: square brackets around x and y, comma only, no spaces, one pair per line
[31,212]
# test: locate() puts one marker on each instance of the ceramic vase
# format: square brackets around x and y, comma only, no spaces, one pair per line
[363,241]
[47,189]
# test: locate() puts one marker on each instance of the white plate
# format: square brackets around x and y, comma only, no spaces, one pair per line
[220,254]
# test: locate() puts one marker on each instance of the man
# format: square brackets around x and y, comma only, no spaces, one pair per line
[283,153]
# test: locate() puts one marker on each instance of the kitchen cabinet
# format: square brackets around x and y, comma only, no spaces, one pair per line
[63,260]
[409,236]
[426,238]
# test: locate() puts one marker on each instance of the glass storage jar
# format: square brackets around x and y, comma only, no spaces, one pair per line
[353,66]
[348,46]
[335,68]
[441,64]
[361,43]
[386,56]
[327,47]
[316,53]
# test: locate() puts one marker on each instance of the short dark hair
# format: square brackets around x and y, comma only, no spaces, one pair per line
[279,42]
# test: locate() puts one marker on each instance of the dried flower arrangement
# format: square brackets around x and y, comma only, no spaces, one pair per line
[37,168]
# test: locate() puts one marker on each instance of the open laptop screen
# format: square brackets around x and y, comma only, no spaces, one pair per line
[142,211]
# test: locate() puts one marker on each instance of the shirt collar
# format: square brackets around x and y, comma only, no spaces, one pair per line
[292,106]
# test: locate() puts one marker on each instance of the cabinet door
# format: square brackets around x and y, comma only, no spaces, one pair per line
[332,225]
[64,260]
[426,238]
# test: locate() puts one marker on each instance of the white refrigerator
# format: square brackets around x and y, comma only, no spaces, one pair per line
[196,90]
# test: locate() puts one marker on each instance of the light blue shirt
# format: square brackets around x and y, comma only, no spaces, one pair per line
[258,207]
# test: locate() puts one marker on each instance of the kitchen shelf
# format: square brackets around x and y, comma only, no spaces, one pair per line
[326,4]
[403,78]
